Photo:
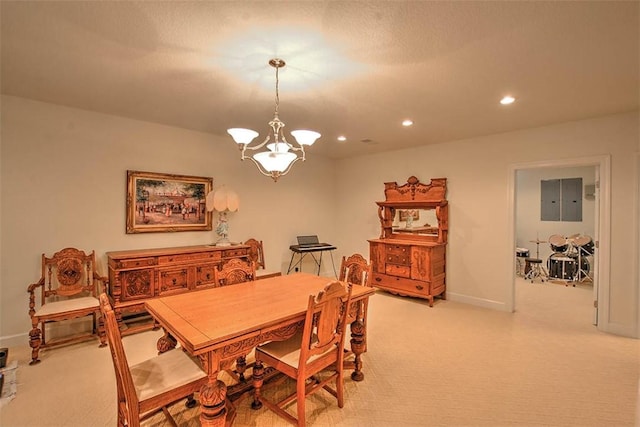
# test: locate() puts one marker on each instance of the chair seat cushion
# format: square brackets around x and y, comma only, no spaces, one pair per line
[70,304]
[164,372]
[288,351]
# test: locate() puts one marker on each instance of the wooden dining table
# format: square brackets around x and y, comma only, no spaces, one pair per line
[219,325]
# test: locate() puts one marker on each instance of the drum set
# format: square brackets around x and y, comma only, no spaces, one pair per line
[570,258]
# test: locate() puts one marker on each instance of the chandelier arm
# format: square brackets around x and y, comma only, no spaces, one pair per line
[262,171]
[286,171]
[256,147]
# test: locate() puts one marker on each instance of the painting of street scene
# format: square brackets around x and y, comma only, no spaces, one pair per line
[162,202]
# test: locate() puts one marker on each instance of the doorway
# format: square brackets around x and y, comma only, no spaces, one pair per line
[597,222]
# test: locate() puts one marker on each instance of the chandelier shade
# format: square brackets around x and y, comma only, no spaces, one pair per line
[278,155]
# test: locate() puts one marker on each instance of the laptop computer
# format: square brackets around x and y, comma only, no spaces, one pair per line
[309,241]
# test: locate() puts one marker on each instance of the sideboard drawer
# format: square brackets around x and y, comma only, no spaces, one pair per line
[205,275]
[398,270]
[193,257]
[173,280]
[136,262]
[398,249]
[402,285]
[398,259]
[234,253]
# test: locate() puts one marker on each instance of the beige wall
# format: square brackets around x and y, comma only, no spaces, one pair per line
[64,181]
[63,174]
[480,253]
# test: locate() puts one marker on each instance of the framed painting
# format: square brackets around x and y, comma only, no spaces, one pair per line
[158,202]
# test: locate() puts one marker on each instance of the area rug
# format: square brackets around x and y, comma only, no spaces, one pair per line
[9,388]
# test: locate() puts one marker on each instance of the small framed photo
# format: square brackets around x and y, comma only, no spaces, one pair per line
[158,202]
[404,213]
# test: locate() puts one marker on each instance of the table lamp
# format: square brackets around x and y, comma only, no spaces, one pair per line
[222,200]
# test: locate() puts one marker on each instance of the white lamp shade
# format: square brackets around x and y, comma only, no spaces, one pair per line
[275,161]
[242,136]
[225,200]
[209,201]
[305,137]
[233,201]
[220,199]
[279,147]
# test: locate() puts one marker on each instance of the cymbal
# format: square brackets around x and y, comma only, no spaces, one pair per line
[538,241]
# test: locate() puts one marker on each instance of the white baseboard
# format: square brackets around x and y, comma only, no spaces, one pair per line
[15,340]
[479,302]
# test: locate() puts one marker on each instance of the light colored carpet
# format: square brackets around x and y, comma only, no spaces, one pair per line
[450,365]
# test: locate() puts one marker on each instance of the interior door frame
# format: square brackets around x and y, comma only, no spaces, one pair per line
[602,227]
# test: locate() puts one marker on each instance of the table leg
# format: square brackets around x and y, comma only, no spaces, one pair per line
[166,343]
[212,403]
[358,337]
[213,395]
[258,379]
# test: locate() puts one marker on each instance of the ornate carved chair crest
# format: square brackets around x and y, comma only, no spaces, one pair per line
[236,271]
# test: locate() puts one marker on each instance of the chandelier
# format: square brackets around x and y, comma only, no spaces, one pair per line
[278,157]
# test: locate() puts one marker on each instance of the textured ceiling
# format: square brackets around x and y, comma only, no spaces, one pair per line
[353,68]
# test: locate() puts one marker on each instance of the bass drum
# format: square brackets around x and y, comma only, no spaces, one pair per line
[561,267]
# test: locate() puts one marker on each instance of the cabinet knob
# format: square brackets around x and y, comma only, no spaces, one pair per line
[419,287]
[378,279]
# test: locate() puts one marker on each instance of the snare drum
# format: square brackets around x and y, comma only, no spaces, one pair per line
[558,243]
[561,267]
[585,243]
[522,252]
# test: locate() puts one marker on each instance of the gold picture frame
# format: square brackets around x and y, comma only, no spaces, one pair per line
[159,202]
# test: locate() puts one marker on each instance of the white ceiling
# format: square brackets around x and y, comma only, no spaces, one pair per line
[353,68]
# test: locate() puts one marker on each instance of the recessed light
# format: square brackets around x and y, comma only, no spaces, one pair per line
[342,138]
[507,100]
[407,123]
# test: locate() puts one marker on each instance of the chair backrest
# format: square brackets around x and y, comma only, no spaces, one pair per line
[355,269]
[325,322]
[69,272]
[128,403]
[235,271]
[256,252]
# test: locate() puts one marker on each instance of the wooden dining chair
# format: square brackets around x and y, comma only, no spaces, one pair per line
[355,269]
[234,271]
[68,288]
[256,254]
[317,347]
[151,386]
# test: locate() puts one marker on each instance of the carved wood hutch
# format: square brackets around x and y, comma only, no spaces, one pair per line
[409,256]
[139,275]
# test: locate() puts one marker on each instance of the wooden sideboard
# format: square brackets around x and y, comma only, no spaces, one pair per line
[136,276]
[409,256]
[408,268]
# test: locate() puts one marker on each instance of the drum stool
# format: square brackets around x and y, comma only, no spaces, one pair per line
[533,268]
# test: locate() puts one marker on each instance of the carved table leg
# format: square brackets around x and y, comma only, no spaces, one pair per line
[358,334]
[212,403]
[166,343]
[258,376]
[241,366]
